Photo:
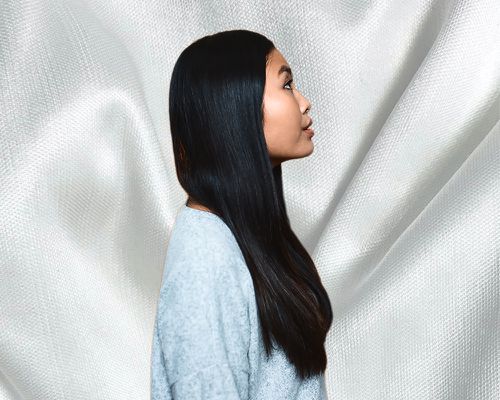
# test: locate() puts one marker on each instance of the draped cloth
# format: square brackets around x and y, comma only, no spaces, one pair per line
[398,204]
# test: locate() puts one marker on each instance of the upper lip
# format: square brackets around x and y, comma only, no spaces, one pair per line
[309,124]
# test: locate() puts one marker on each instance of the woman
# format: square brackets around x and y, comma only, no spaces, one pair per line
[242,312]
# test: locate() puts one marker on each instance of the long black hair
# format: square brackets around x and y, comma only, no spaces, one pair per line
[222,162]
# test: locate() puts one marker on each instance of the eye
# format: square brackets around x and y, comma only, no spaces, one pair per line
[289,83]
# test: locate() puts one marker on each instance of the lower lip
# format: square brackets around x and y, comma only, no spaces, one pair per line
[309,132]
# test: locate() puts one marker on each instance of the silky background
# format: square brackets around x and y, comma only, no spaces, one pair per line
[399,204]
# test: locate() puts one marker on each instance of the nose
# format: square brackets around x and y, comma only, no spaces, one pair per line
[308,109]
[308,105]
[305,104]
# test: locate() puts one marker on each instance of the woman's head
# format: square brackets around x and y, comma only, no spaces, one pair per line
[231,77]
[233,119]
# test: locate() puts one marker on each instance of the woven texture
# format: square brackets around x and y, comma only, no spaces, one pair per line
[398,204]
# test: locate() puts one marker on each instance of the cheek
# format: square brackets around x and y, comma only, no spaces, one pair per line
[282,121]
[284,143]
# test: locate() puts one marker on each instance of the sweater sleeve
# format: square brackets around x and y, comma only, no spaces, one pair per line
[204,328]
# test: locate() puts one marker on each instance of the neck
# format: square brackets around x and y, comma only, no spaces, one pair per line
[193,204]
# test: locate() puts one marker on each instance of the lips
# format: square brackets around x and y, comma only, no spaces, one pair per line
[309,131]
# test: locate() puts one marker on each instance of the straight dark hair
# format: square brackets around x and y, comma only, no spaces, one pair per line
[222,162]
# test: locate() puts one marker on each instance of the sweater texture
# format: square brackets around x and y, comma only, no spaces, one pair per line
[207,342]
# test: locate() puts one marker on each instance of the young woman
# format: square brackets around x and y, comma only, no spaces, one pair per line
[242,312]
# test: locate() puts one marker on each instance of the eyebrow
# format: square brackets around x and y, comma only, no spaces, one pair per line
[285,68]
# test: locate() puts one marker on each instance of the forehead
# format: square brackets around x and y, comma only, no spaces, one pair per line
[277,64]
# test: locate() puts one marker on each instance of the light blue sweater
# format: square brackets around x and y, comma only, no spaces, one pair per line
[207,341]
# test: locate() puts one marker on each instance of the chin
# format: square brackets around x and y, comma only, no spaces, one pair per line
[307,151]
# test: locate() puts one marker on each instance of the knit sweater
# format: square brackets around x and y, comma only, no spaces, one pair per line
[207,342]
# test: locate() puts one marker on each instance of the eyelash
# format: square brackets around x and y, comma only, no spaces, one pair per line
[289,82]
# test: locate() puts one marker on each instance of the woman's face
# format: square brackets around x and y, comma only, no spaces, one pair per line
[284,113]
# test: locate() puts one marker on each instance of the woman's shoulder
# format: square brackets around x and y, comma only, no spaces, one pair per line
[203,262]
[201,243]
[201,234]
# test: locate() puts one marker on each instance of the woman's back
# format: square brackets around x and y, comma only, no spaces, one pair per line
[207,342]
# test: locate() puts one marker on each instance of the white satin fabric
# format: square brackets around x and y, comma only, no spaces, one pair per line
[399,203]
